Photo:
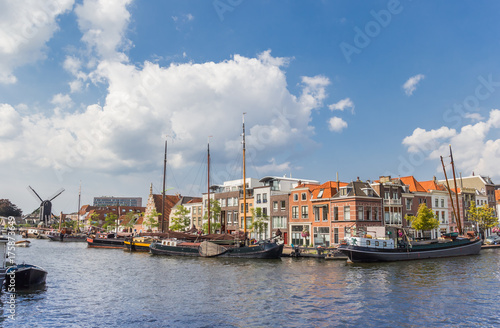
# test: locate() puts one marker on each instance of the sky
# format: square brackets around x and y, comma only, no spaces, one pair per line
[90,90]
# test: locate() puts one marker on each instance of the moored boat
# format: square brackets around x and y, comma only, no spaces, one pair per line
[105,240]
[173,247]
[138,244]
[22,243]
[77,237]
[25,276]
[359,249]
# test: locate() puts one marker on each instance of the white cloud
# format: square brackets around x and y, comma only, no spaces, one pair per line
[103,24]
[25,28]
[61,101]
[472,149]
[411,85]
[337,124]
[342,104]
[186,101]
[426,140]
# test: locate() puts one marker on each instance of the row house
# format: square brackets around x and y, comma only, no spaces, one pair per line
[230,198]
[393,192]
[320,204]
[299,221]
[194,206]
[100,213]
[356,210]
[272,198]
[441,205]
[483,185]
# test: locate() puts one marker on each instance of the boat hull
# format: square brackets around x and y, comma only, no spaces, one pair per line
[259,251]
[104,243]
[136,246]
[358,254]
[25,276]
[68,238]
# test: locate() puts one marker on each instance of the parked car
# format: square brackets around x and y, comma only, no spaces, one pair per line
[492,240]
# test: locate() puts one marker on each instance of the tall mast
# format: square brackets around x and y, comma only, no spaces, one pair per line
[162,225]
[208,183]
[244,183]
[78,212]
[451,197]
[456,191]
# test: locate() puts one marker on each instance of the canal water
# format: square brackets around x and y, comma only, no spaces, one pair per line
[112,288]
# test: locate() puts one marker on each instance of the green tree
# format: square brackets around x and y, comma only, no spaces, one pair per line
[483,216]
[93,219]
[214,216]
[110,221]
[9,209]
[180,220]
[425,219]
[259,221]
[151,220]
[130,217]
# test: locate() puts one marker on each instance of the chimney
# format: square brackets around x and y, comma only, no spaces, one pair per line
[338,183]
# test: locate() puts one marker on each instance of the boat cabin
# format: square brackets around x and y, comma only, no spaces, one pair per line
[169,242]
[370,242]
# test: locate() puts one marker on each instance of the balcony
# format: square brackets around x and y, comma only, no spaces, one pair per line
[392,201]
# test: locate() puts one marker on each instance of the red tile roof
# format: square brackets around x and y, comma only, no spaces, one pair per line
[432,185]
[415,186]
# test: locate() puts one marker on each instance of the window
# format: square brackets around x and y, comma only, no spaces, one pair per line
[295,197]
[368,214]
[347,213]
[387,195]
[275,206]
[436,202]
[325,213]
[375,214]
[229,218]
[264,198]
[336,213]
[367,243]
[316,214]
[408,204]
[258,198]
[335,235]
[395,195]
[305,212]
[320,194]
[279,222]
[442,202]
[295,212]
[283,205]
[360,212]
[264,211]
[241,209]
[304,196]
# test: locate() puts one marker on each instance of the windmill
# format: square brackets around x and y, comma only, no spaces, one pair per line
[46,205]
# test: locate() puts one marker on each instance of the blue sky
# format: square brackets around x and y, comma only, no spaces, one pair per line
[89,90]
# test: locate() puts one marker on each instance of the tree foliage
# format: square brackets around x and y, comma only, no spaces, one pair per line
[259,221]
[9,209]
[425,219]
[151,220]
[93,219]
[215,215]
[110,221]
[483,216]
[180,220]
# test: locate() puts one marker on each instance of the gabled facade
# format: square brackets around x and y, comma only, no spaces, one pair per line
[355,208]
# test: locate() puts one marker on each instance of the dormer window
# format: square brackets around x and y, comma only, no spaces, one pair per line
[304,196]
[343,192]
[320,194]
